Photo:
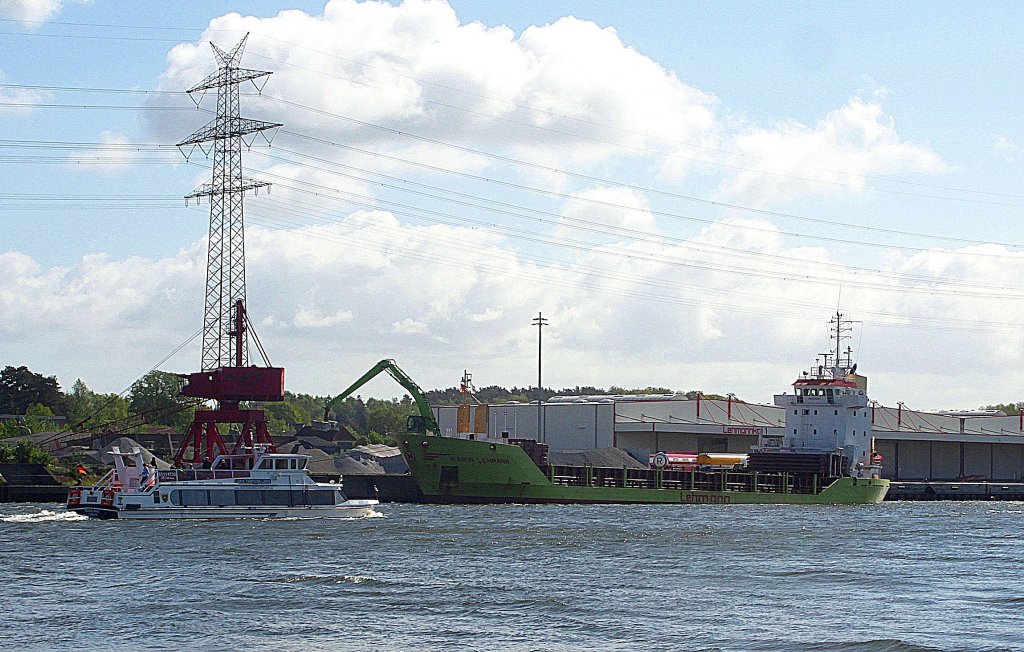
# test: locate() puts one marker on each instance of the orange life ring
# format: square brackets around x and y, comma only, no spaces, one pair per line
[107,498]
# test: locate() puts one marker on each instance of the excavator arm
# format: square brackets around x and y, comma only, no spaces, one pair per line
[424,422]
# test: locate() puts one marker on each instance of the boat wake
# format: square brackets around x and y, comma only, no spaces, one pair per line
[42,517]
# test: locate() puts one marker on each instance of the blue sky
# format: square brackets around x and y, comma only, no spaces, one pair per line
[705,184]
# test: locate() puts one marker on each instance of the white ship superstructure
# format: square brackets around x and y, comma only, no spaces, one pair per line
[828,411]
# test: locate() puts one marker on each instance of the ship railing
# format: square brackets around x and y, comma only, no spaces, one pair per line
[180,475]
[107,481]
[686,480]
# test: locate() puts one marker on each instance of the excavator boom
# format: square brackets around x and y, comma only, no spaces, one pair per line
[425,422]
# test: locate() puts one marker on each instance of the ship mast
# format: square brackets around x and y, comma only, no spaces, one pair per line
[840,331]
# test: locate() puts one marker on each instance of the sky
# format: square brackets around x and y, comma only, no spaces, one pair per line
[686,191]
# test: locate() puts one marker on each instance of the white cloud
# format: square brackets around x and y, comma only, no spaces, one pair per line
[1006,147]
[27,96]
[33,12]
[309,318]
[490,314]
[402,81]
[412,67]
[30,10]
[336,280]
[632,321]
[110,159]
[617,213]
[409,326]
[832,157]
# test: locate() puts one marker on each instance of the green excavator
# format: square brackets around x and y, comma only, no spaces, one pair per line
[424,423]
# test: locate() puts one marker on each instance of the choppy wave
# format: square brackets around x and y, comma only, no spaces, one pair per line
[42,517]
[326,579]
[877,645]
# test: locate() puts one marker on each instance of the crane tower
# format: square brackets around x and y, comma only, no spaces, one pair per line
[226,375]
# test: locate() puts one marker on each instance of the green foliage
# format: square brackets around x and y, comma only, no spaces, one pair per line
[23,452]
[155,395]
[1010,409]
[20,388]
[646,390]
[374,437]
[36,418]
[284,415]
[86,408]
[692,394]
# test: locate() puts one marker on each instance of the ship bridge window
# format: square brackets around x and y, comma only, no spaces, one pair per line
[281,464]
[266,464]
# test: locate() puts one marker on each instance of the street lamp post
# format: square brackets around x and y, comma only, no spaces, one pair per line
[540,322]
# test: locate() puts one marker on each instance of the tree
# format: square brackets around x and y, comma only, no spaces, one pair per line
[1009,409]
[36,418]
[86,408]
[283,416]
[23,452]
[20,388]
[156,396]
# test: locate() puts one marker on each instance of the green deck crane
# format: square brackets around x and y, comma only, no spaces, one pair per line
[423,423]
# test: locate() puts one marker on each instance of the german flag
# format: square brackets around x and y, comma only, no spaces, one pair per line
[81,470]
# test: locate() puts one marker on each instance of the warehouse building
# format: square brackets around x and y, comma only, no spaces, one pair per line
[914,445]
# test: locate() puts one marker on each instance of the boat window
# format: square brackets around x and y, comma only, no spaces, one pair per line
[195,497]
[266,463]
[176,497]
[281,464]
[249,497]
[291,464]
[321,497]
[301,463]
[277,497]
[222,497]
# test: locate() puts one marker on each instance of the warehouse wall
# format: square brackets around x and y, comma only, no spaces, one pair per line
[950,460]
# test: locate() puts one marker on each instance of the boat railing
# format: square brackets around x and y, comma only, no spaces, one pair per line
[180,475]
[680,480]
[107,480]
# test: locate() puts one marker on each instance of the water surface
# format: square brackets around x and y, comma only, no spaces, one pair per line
[896,576]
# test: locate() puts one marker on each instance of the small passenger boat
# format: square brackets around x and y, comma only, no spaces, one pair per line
[256,484]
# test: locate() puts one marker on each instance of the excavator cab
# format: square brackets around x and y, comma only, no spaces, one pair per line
[416,423]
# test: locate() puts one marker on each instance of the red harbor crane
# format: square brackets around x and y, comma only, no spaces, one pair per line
[227,376]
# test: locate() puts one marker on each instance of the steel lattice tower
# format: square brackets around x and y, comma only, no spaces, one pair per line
[225,271]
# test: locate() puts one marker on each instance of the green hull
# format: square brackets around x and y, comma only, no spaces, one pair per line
[450,470]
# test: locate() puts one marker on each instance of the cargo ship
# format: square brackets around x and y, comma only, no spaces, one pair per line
[826,457]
